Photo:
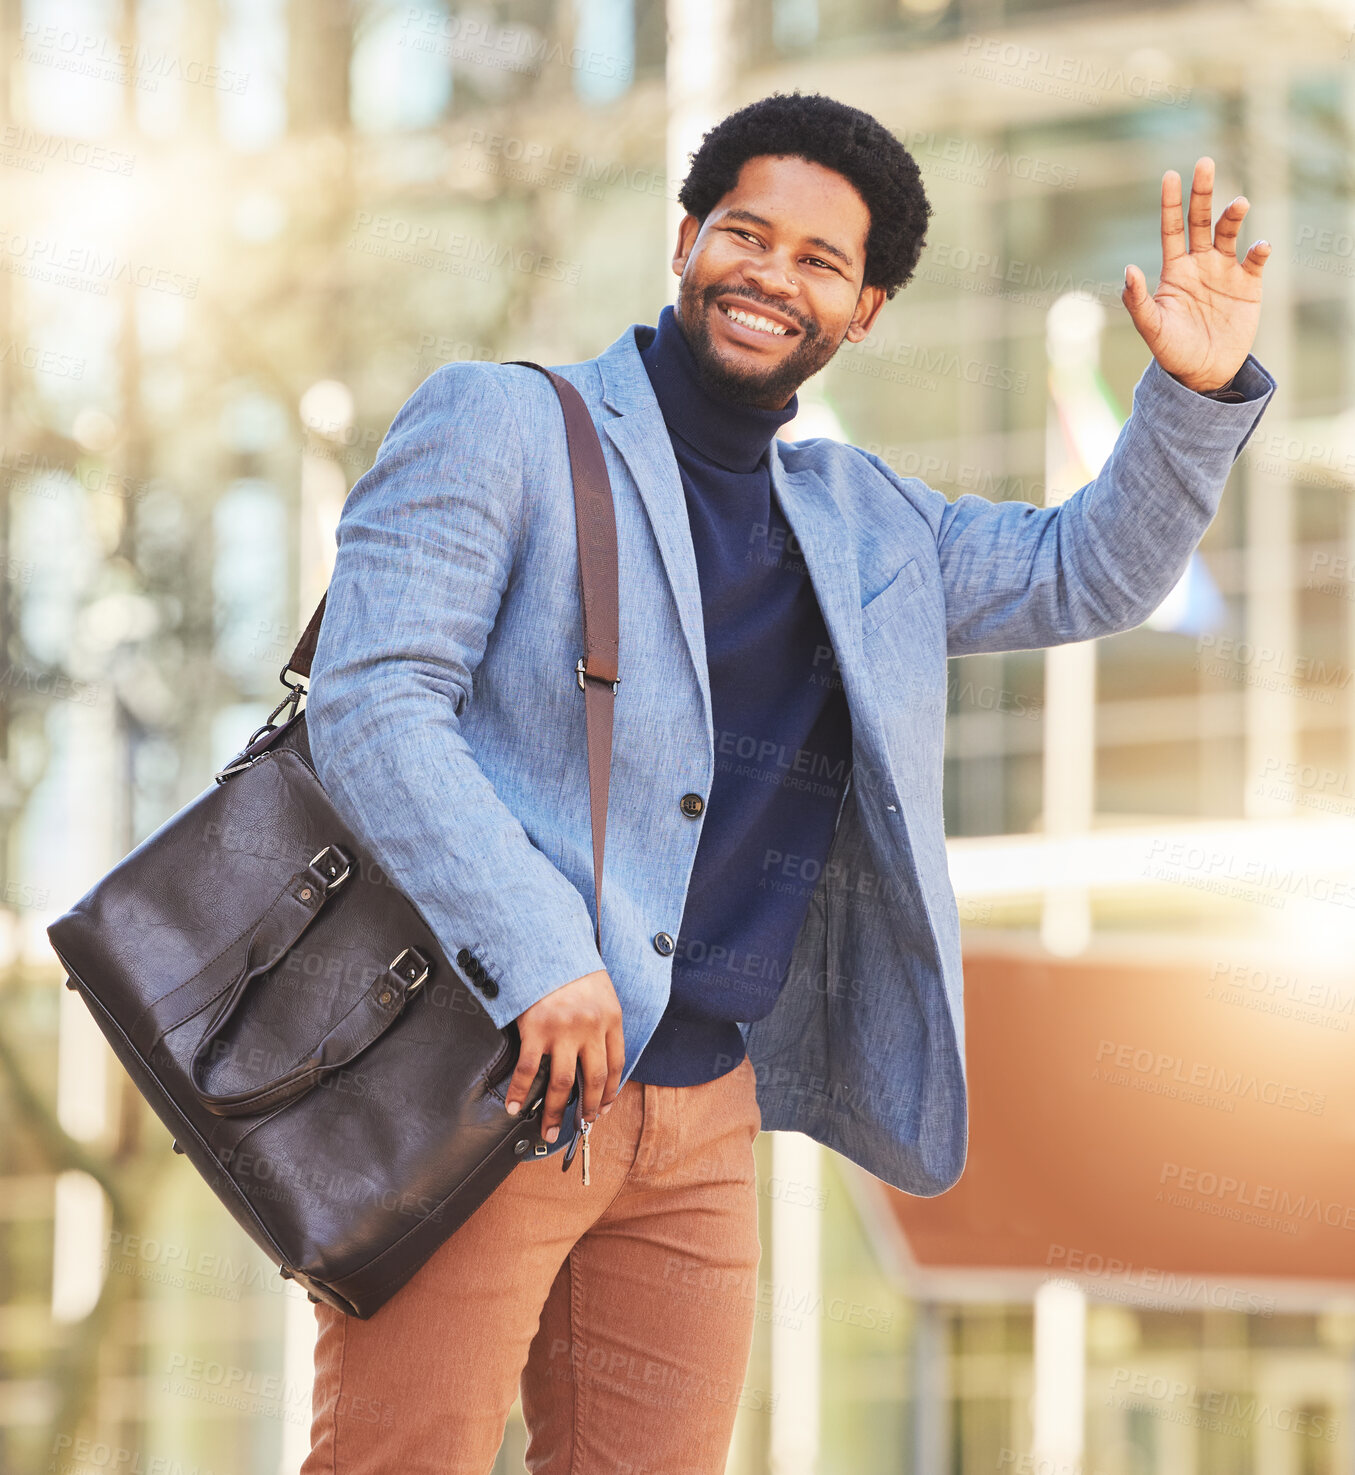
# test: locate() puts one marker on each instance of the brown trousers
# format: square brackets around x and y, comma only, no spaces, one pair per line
[622,1311]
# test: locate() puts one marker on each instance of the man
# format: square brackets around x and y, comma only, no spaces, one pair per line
[780,943]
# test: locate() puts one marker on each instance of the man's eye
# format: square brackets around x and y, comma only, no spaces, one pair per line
[815,261]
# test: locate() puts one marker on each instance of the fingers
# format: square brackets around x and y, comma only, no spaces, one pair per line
[616,1063]
[593,1070]
[1173,226]
[563,1067]
[529,1062]
[1256,258]
[579,1027]
[1225,233]
[1201,215]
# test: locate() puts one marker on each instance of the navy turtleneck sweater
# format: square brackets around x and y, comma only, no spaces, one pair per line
[782,728]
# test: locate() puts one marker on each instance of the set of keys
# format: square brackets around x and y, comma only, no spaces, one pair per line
[580,1135]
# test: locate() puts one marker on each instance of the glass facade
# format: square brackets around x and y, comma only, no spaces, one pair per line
[363,204]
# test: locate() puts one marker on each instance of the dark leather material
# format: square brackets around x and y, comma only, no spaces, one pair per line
[595,522]
[292,1019]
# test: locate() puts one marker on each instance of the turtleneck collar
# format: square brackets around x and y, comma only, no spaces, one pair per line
[731,435]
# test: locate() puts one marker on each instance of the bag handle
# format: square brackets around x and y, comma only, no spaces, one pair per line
[280,928]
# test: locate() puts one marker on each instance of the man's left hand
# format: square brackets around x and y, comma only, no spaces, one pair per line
[1201,321]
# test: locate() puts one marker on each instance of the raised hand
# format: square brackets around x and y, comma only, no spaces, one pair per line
[1201,321]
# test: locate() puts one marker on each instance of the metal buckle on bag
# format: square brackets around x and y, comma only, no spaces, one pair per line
[293,700]
[583,672]
[333,876]
[295,691]
[414,973]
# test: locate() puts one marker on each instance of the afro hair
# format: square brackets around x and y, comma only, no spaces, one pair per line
[823,131]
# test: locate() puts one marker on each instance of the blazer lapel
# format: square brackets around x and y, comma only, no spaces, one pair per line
[637,430]
[825,541]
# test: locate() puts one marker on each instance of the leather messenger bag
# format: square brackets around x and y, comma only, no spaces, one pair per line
[288,1013]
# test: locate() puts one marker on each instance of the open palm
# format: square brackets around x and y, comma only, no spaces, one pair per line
[1201,321]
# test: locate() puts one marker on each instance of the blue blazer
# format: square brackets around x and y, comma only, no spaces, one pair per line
[447,723]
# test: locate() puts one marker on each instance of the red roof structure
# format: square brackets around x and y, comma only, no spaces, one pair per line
[1150,1126]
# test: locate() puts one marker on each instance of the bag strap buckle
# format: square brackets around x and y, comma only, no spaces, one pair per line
[413,968]
[583,671]
[334,866]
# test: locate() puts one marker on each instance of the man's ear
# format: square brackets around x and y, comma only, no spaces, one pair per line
[868,306]
[688,230]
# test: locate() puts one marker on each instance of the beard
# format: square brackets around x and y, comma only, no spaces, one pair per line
[766,390]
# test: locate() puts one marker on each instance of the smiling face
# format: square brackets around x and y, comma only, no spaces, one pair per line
[771,280]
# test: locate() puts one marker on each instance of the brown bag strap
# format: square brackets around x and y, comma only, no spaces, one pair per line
[597,669]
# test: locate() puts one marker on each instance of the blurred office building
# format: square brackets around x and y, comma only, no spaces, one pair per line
[238,235]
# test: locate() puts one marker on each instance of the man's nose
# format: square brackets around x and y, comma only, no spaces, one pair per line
[773,275]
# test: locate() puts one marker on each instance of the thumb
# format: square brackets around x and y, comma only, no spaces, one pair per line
[1144,311]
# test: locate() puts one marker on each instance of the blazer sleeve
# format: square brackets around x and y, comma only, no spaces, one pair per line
[1019,577]
[426,543]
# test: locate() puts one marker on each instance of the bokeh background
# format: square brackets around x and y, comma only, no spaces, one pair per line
[237,234]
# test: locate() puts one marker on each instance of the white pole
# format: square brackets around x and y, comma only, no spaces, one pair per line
[299,1329]
[1272,614]
[1073,341]
[80,1215]
[796,1301]
[1060,1375]
[931,1394]
[700,71]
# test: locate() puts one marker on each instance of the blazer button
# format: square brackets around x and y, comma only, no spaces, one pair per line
[463,957]
[692,805]
[663,943]
[487,987]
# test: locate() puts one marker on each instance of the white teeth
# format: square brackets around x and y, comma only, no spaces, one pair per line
[751,320]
